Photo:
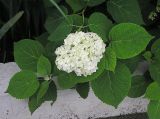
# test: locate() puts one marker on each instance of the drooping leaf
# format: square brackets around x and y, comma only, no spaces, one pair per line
[61,32]
[125,11]
[100,24]
[27,53]
[50,95]
[124,35]
[138,86]
[23,85]
[42,90]
[10,24]
[154,110]
[83,89]
[34,104]
[76,5]
[44,66]
[152,92]
[110,59]
[112,88]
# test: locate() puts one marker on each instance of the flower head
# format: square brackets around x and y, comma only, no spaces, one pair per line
[80,53]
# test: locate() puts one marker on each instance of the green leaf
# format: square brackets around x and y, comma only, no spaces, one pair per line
[10,24]
[78,21]
[76,5]
[54,19]
[154,69]
[153,91]
[155,46]
[128,40]
[61,32]
[27,53]
[132,63]
[83,89]
[50,95]
[100,24]
[66,80]
[125,11]
[43,66]
[33,104]
[154,110]
[148,56]
[138,86]
[42,90]
[112,88]
[93,3]
[110,59]
[23,85]
[42,38]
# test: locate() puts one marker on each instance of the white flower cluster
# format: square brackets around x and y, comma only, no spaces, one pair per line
[80,53]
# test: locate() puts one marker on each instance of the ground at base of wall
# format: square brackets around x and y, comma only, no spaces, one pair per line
[131,116]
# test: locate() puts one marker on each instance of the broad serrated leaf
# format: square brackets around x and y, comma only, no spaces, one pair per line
[154,69]
[83,89]
[61,32]
[154,110]
[125,11]
[112,88]
[23,85]
[100,24]
[110,59]
[128,40]
[44,66]
[153,91]
[76,5]
[138,86]
[27,53]
[42,90]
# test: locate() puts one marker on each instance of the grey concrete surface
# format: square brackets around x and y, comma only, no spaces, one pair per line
[68,105]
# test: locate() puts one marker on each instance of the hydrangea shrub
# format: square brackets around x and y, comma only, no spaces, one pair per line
[97,50]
